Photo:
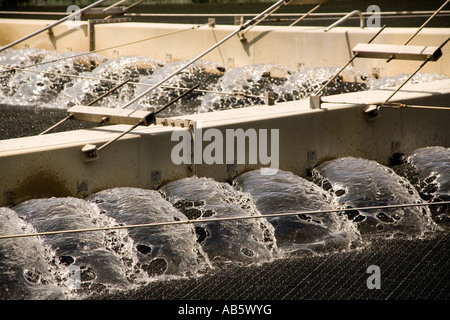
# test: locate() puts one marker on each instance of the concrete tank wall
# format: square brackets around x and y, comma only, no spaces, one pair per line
[292,47]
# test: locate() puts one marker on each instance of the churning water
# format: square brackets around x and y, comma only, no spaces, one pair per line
[77,265]
[123,259]
[48,79]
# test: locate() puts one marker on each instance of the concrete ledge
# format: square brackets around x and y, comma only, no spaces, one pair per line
[53,165]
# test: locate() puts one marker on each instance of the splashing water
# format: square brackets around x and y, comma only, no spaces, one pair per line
[286,192]
[308,80]
[251,82]
[40,267]
[169,250]
[392,81]
[122,259]
[16,58]
[358,182]
[239,241]
[100,268]
[64,83]
[24,263]
[46,84]
[60,90]
[112,72]
[428,169]
[201,72]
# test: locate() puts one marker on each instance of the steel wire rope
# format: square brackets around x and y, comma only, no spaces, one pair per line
[193,221]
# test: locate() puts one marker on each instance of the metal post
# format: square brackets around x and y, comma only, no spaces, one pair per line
[52,25]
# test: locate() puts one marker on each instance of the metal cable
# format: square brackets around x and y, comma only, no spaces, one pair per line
[77,13]
[241,28]
[345,66]
[422,26]
[426,22]
[415,72]
[157,224]
[142,122]
[305,15]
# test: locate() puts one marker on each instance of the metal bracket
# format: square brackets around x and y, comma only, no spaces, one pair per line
[399,52]
[112,115]
[270,97]
[312,158]
[238,20]
[91,28]
[90,153]
[372,112]
[315,102]
[182,123]
[82,187]
[212,22]
[395,147]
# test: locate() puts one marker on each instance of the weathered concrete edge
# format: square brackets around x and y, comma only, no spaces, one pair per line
[53,165]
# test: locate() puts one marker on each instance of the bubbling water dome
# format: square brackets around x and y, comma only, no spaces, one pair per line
[168,250]
[428,169]
[356,182]
[250,83]
[106,76]
[242,241]
[204,73]
[26,270]
[230,225]
[60,80]
[45,77]
[100,267]
[285,192]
